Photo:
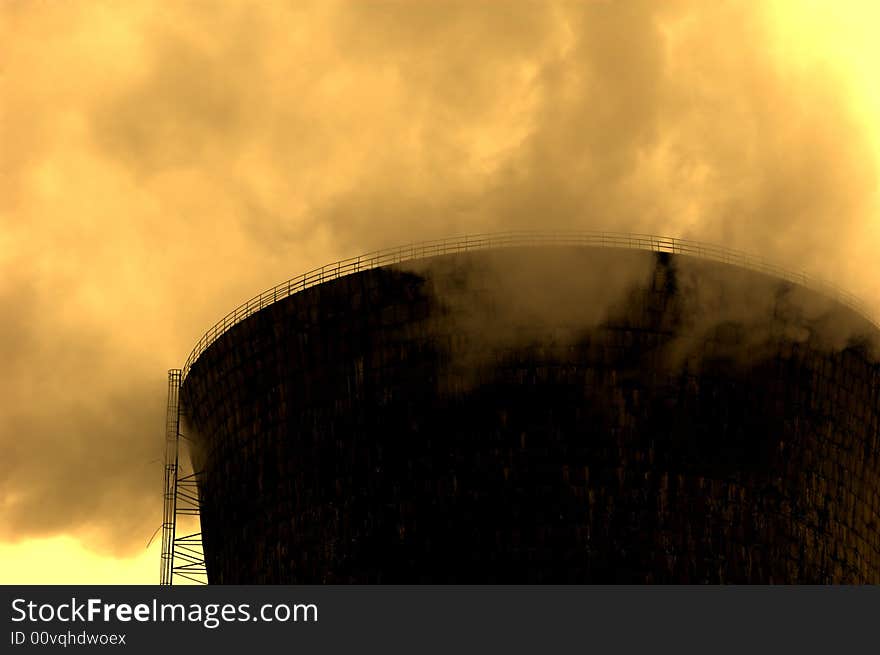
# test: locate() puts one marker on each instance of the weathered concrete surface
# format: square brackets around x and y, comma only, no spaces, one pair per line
[542,416]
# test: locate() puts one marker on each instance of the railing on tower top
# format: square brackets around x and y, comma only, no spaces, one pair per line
[461,244]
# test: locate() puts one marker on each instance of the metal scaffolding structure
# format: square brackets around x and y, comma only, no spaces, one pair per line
[182,556]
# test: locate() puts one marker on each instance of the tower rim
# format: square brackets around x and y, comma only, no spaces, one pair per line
[467,243]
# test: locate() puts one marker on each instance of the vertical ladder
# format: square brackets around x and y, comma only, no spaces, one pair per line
[182,556]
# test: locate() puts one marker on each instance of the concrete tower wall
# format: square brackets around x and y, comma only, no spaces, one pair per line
[541,415]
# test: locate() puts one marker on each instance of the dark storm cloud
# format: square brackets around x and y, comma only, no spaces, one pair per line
[90,466]
[78,429]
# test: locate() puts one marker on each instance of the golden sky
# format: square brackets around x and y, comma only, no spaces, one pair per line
[162,161]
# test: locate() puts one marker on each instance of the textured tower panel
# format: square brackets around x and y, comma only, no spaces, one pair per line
[542,415]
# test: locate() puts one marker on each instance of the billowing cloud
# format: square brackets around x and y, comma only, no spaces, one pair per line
[163,161]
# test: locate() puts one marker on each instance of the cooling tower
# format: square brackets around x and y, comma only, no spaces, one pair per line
[540,413]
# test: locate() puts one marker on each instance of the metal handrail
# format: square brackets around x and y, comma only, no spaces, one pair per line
[475,242]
